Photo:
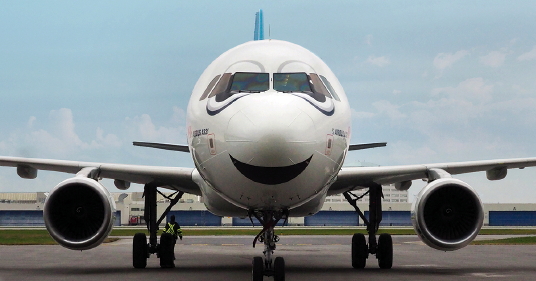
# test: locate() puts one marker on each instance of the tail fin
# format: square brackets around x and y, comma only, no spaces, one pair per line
[259,26]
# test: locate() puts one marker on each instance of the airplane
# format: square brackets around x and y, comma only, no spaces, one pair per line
[269,127]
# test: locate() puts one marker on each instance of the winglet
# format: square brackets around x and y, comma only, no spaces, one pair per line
[259,26]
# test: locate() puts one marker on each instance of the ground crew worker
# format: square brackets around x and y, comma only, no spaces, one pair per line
[173,228]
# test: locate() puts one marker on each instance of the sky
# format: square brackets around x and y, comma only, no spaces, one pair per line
[439,81]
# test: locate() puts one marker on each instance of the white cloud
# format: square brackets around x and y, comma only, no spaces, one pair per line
[378,61]
[519,89]
[404,152]
[63,127]
[493,59]
[31,121]
[179,116]
[362,114]
[396,92]
[109,140]
[143,129]
[446,60]
[59,139]
[473,89]
[368,40]
[531,55]
[389,109]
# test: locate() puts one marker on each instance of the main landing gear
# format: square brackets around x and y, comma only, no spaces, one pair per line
[268,266]
[383,247]
[141,250]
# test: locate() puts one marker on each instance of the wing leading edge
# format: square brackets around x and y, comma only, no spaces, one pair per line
[350,178]
[169,177]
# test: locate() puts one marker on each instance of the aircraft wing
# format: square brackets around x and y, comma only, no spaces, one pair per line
[350,178]
[169,177]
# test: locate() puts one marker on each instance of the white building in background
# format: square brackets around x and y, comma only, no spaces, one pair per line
[131,205]
[390,193]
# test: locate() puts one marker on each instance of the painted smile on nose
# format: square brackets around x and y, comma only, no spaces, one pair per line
[270,175]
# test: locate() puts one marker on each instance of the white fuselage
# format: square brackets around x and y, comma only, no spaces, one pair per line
[262,136]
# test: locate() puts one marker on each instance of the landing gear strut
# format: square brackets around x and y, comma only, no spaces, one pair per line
[383,247]
[268,266]
[141,250]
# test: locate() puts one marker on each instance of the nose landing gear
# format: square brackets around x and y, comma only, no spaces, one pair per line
[268,266]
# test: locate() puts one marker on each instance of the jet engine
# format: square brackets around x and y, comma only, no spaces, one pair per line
[447,214]
[79,213]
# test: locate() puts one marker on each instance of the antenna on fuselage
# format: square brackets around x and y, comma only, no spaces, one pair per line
[259,26]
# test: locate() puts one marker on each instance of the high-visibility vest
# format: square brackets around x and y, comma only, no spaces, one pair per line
[170,228]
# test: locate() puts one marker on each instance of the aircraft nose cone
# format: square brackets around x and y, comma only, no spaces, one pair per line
[270,134]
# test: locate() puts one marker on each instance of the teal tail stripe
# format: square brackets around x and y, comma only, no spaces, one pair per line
[259,26]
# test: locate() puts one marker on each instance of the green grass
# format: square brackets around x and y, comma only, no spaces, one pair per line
[313,231]
[32,237]
[41,236]
[26,237]
[253,232]
[530,240]
[505,231]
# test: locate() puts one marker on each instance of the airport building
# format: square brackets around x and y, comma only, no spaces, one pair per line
[26,209]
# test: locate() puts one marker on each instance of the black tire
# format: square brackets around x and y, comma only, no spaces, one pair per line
[139,250]
[359,251]
[279,269]
[257,271]
[166,251]
[385,251]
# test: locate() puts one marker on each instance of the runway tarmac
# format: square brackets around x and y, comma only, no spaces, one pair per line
[307,258]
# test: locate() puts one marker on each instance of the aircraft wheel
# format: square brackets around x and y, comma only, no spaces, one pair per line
[385,251]
[279,269]
[359,251]
[166,250]
[139,250]
[257,272]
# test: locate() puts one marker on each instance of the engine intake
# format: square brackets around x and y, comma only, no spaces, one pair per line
[79,213]
[447,214]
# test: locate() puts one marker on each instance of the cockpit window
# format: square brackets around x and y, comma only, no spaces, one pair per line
[209,87]
[318,85]
[250,82]
[302,83]
[226,85]
[222,85]
[240,82]
[291,82]
[330,88]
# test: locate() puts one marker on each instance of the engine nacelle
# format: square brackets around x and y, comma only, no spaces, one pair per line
[79,213]
[447,214]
